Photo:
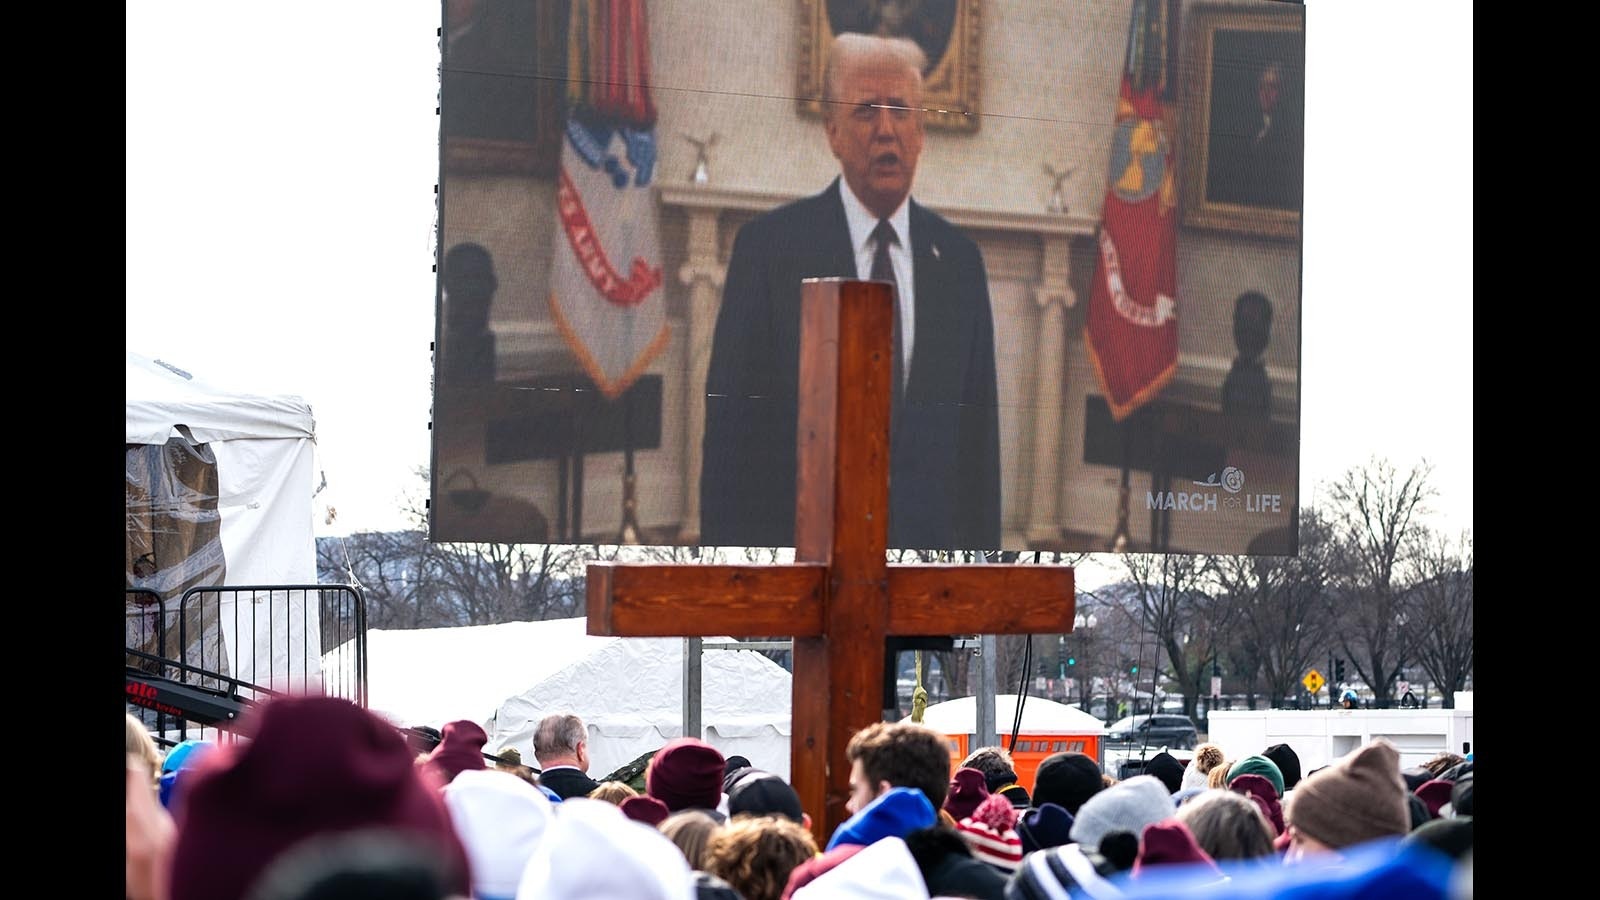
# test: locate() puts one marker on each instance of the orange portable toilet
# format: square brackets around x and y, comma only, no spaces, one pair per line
[1047,727]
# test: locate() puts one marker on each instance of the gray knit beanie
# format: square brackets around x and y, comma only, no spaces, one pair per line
[1125,806]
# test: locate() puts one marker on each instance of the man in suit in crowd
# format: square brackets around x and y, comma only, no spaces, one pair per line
[944,488]
[561,744]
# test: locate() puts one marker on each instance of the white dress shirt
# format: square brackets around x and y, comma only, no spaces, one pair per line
[862,222]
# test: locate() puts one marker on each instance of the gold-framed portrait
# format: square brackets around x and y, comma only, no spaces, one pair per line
[946,30]
[1243,167]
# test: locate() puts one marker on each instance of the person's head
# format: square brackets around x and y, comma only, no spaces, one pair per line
[685,774]
[500,819]
[460,750]
[996,765]
[1269,85]
[1288,763]
[761,793]
[1357,799]
[755,854]
[141,744]
[1067,779]
[1127,806]
[1258,765]
[1252,323]
[315,767]
[897,754]
[872,100]
[1443,761]
[613,792]
[561,740]
[690,831]
[469,280]
[1227,825]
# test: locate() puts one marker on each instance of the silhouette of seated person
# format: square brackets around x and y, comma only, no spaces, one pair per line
[1247,391]
[469,286]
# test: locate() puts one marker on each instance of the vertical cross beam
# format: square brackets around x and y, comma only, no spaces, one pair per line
[841,513]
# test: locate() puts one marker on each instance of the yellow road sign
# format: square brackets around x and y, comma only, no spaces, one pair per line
[1313,681]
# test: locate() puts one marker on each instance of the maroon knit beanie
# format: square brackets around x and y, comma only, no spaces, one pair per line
[1435,793]
[1259,789]
[316,766]
[1170,842]
[648,810]
[685,774]
[968,788]
[460,749]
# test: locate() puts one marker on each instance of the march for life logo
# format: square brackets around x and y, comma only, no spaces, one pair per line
[1233,496]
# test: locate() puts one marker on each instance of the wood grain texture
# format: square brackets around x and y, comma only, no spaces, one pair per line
[980,599]
[691,601]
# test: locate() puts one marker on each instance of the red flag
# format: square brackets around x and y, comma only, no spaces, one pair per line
[1133,306]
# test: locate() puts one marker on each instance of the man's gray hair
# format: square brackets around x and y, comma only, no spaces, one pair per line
[558,735]
[852,46]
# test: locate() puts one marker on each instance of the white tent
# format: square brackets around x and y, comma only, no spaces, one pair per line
[1039,716]
[259,525]
[629,691]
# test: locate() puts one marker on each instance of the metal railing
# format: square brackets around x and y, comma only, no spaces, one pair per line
[277,645]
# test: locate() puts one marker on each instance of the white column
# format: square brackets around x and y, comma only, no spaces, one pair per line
[703,275]
[1054,295]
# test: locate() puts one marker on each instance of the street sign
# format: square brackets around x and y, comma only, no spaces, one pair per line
[1313,681]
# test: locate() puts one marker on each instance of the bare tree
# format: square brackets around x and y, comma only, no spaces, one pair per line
[1182,613]
[1281,624]
[1376,512]
[1441,611]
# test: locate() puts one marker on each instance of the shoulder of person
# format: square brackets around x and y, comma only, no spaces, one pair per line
[787,216]
[948,235]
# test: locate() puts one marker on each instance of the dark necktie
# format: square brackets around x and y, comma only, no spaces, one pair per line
[883,270]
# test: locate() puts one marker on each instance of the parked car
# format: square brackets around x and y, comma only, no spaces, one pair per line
[1154,731]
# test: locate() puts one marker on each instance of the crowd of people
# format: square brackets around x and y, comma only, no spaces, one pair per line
[320,798]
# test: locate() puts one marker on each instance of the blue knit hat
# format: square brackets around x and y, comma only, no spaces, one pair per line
[184,756]
[895,813]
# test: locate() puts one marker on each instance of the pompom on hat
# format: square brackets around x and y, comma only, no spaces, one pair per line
[315,766]
[990,833]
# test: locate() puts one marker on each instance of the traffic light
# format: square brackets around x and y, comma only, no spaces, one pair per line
[1338,671]
[1072,660]
[1133,670]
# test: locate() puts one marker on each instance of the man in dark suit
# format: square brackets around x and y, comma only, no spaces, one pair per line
[561,744]
[944,487]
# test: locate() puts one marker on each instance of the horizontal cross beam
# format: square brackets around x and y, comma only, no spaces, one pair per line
[643,600]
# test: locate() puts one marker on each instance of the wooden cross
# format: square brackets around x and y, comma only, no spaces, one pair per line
[841,598]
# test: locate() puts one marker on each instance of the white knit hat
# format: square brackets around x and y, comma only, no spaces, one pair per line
[592,850]
[500,819]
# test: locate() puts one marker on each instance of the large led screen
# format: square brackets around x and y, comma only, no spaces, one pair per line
[1090,210]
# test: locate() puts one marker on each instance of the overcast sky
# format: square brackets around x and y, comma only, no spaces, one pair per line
[280,169]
